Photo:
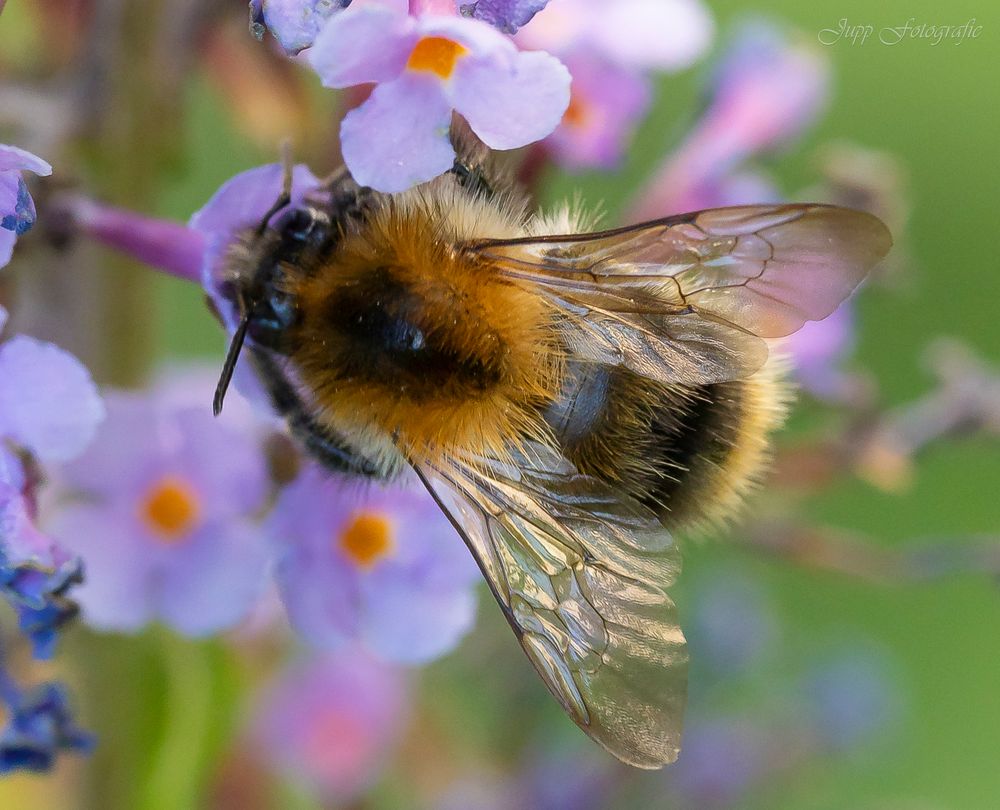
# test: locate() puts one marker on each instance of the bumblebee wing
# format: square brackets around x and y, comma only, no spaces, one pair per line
[579,572]
[688,298]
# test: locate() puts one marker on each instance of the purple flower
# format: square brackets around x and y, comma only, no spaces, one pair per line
[331,722]
[49,407]
[424,68]
[665,35]
[732,623]
[606,103]
[610,50]
[722,760]
[381,566]
[507,15]
[765,92]
[17,210]
[39,727]
[48,402]
[817,351]
[164,526]
[851,698]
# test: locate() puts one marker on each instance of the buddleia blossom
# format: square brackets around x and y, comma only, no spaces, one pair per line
[611,50]
[17,209]
[330,722]
[381,566]
[162,515]
[49,410]
[765,91]
[424,68]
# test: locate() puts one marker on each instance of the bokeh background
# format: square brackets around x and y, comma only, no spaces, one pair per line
[166,710]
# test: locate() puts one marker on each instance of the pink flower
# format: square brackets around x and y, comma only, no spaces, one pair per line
[425,67]
[331,722]
[611,48]
[166,522]
[766,91]
[377,565]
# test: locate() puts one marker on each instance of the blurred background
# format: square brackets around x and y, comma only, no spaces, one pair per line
[847,658]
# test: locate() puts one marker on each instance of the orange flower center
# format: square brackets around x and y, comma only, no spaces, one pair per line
[577,112]
[436,55]
[367,538]
[170,508]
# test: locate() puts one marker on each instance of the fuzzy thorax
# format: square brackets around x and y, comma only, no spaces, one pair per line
[406,338]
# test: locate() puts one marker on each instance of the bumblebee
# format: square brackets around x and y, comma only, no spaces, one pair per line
[571,400]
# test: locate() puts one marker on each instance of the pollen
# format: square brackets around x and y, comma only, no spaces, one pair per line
[367,538]
[436,55]
[170,508]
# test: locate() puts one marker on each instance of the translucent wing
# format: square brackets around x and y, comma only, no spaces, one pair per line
[687,298]
[580,573]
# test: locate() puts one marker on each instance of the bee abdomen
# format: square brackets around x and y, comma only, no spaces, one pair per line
[691,453]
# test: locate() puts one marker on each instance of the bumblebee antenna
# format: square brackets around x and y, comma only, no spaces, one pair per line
[285,196]
[235,346]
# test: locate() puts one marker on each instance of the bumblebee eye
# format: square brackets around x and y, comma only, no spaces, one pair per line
[271,319]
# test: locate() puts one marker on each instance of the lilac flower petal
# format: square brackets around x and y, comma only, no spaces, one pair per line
[169,246]
[368,44]
[54,408]
[14,159]
[818,349]
[21,543]
[243,199]
[10,185]
[320,598]
[295,23]
[511,102]
[652,34]
[212,580]
[220,460]
[7,240]
[239,203]
[116,593]
[399,136]
[507,15]
[408,622]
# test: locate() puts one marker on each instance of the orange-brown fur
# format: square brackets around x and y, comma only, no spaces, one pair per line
[466,308]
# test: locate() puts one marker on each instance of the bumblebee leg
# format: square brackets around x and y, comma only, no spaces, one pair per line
[327,448]
[471,179]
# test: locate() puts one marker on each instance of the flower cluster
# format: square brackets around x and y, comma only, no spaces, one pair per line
[49,411]
[426,61]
